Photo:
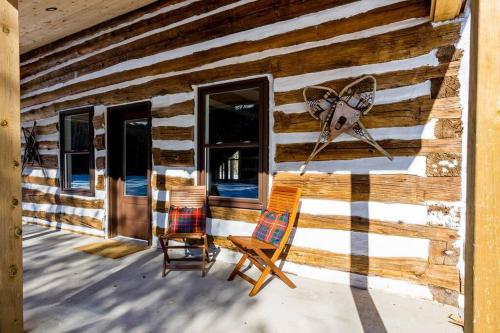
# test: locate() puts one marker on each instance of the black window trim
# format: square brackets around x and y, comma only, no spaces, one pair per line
[263,84]
[62,152]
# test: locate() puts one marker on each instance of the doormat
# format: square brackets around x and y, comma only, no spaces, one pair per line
[111,249]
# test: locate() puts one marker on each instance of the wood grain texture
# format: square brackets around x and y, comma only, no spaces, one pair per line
[100,185]
[100,142]
[40,28]
[482,290]
[173,157]
[164,183]
[449,128]
[178,109]
[100,163]
[172,133]
[350,150]
[11,257]
[83,221]
[238,19]
[379,16]
[98,121]
[40,197]
[444,165]
[382,188]
[46,181]
[120,35]
[97,28]
[389,80]
[406,113]
[416,41]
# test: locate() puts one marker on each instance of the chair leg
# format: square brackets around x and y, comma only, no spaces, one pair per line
[260,282]
[166,259]
[206,248]
[237,268]
[275,269]
[203,257]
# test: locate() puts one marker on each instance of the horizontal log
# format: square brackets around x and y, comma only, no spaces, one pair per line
[443,253]
[350,150]
[45,144]
[46,129]
[173,157]
[414,270]
[39,197]
[100,142]
[48,161]
[98,28]
[160,206]
[173,133]
[122,34]
[410,269]
[46,181]
[100,163]
[100,184]
[444,165]
[400,114]
[234,214]
[415,41]
[336,222]
[409,189]
[164,183]
[379,16]
[241,18]
[389,80]
[347,223]
[448,128]
[178,109]
[82,221]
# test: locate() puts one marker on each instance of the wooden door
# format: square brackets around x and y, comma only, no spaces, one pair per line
[129,152]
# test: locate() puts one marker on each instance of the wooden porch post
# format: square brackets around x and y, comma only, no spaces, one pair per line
[11,269]
[482,275]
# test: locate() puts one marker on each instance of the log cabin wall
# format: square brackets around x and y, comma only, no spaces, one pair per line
[394,225]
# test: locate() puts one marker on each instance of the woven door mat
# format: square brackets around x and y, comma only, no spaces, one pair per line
[111,249]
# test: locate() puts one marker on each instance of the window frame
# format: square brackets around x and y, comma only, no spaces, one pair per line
[263,178]
[62,152]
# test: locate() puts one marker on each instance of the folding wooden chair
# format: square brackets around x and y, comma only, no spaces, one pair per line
[191,197]
[282,199]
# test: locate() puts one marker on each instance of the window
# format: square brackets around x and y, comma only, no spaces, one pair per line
[77,158]
[233,143]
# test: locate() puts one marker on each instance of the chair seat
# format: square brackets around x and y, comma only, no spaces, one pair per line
[250,243]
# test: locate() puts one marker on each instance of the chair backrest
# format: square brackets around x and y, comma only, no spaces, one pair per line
[188,196]
[284,198]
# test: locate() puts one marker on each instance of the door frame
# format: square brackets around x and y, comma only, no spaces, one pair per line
[111,183]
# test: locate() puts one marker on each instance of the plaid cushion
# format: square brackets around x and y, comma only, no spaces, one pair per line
[186,220]
[271,227]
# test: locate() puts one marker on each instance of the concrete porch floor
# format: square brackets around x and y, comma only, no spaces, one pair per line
[70,291]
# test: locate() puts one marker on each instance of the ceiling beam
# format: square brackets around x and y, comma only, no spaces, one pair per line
[442,10]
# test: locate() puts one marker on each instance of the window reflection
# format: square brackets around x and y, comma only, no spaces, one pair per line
[136,157]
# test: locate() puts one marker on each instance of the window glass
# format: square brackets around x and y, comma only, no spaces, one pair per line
[136,157]
[77,171]
[76,150]
[233,116]
[233,144]
[233,172]
[76,132]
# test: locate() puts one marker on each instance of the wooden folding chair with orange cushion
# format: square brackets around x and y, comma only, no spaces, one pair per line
[270,235]
[186,220]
